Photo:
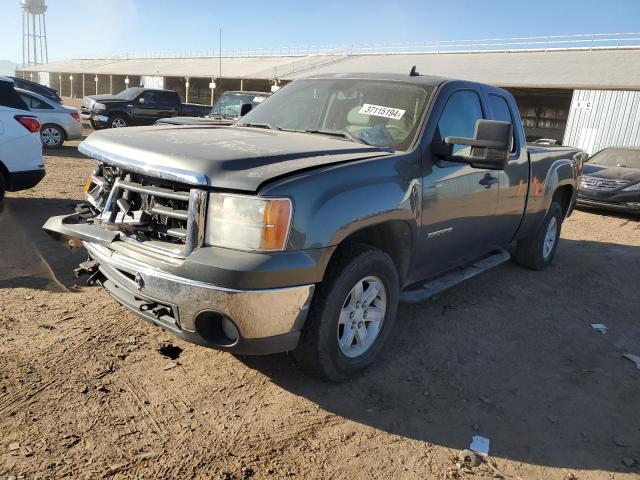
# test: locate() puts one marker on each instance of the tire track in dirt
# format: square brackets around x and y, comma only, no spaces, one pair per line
[68,359]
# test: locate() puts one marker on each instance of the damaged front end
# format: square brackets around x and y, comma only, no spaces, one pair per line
[141,232]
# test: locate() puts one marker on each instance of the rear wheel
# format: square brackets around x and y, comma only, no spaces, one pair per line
[52,136]
[117,121]
[537,251]
[351,315]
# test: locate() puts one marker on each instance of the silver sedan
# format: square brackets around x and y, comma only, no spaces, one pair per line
[59,123]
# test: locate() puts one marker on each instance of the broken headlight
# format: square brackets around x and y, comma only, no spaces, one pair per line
[248,222]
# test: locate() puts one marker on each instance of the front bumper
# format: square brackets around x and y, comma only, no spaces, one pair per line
[618,201]
[94,116]
[183,298]
[612,206]
[24,180]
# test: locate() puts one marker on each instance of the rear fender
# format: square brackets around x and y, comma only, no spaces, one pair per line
[561,172]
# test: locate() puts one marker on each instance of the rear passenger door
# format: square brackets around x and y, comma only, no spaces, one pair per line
[459,202]
[513,180]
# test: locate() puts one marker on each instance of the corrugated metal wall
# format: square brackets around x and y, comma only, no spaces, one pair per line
[603,118]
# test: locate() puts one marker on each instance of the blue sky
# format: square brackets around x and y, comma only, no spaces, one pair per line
[82,27]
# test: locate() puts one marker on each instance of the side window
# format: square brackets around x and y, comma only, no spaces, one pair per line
[165,98]
[501,111]
[39,104]
[10,98]
[26,99]
[149,97]
[458,119]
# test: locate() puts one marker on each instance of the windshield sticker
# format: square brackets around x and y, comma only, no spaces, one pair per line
[380,111]
[258,99]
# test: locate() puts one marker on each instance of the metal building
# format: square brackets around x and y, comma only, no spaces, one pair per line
[581,90]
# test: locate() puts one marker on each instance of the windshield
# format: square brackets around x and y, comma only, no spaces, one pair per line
[375,112]
[130,93]
[228,105]
[617,157]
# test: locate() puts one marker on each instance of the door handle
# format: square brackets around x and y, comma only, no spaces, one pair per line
[488,180]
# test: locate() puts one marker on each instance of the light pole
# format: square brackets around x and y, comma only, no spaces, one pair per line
[186,89]
[95,79]
[71,85]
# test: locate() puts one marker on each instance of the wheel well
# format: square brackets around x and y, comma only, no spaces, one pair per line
[119,113]
[563,196]
[393,238]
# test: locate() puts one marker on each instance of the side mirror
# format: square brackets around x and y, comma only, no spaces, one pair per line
[245,108]
[141,100]
[490,146]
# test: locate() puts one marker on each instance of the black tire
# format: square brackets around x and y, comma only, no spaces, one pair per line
[52,136]
[95,125]
[3,187]
[118,121]
[318,349]
[530,252]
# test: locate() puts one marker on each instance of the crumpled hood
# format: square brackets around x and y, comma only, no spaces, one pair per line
[237,158]
[613,173]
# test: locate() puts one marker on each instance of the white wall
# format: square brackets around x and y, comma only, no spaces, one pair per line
[149,81]
[603,118]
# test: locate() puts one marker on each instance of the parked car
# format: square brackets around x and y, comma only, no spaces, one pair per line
[21,164]
[34,87]
[611,180]
[298,227]
[226,110]
[58,123]
[136,106]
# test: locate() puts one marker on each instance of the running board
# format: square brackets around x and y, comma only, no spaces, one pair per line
[455,277]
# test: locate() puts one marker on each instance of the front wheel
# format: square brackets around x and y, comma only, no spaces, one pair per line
[537,251]
[95,125]
[352,314]
[117,121]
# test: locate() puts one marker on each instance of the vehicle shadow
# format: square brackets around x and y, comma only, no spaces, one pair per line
[29,257]
[609,213]
[509,355]
[70,148]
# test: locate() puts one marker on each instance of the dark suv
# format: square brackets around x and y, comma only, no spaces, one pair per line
[34,87]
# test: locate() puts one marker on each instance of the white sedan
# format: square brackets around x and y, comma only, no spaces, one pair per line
[59,123]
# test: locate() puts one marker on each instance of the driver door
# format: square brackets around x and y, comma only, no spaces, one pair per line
[459,202]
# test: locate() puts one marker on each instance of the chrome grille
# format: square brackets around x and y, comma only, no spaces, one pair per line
[601,184]
[154,213]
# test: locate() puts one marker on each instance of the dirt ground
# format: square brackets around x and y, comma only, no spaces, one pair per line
[87,390]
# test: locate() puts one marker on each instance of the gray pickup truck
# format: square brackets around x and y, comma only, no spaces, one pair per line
[302,226]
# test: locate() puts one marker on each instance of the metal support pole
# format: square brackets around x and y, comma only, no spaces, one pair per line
[40,17]
[35,51]
[23,39]
[83,85]
[110,84]
[46,46]
[60,83]
[242,84]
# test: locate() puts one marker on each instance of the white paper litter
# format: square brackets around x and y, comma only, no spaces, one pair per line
[600,327]
[480,444]
[634,358]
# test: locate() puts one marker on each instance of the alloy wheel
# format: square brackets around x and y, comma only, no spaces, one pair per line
[361,316]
